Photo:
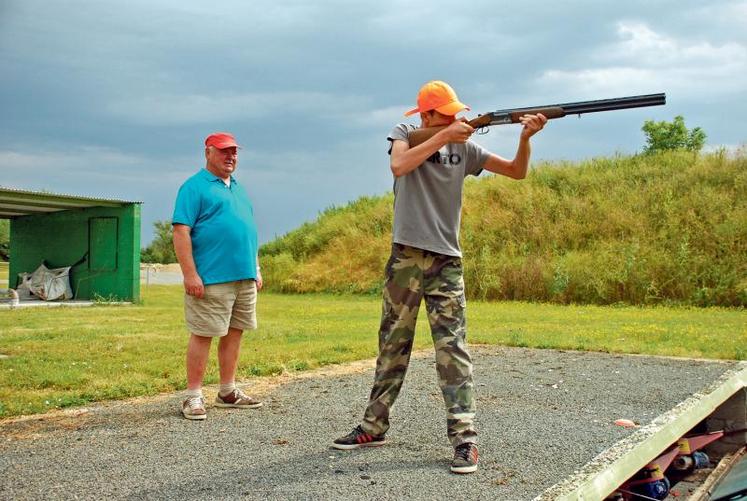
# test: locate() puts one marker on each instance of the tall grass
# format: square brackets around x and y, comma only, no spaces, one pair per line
[342,251]
[667,228]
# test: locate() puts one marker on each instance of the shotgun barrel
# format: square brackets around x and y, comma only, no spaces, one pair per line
[620,103]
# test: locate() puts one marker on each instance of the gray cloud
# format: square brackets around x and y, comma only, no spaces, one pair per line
[111,98]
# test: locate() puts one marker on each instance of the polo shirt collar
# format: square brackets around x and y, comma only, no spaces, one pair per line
[209,176]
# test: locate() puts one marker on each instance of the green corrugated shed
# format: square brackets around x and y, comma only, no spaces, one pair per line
[101,235]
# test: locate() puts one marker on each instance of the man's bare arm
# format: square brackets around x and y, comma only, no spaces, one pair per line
[518,167]
[183,248]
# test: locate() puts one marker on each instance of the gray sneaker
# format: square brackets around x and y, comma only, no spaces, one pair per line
[194,408]
[237,399]
[465,458]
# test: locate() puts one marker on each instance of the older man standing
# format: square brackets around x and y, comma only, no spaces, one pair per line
[215,239]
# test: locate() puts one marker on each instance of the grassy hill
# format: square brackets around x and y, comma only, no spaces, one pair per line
[667,228]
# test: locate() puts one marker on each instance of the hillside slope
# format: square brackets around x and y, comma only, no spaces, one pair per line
[640,230]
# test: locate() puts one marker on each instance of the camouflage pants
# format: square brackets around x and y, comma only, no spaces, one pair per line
[411,275]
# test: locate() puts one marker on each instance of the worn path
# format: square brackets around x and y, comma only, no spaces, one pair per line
[541,415]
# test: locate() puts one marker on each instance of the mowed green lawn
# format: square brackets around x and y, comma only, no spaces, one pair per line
[63,357]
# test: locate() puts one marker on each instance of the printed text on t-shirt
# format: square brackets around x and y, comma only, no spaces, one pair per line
[444,159]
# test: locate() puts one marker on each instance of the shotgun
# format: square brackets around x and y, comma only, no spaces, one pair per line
[512,115]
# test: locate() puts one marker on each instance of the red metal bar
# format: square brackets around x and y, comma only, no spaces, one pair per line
[688,445]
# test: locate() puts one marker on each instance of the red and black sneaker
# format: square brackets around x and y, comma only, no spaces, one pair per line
[358,438]
[465,458]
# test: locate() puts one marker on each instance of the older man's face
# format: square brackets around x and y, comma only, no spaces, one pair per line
[221,162]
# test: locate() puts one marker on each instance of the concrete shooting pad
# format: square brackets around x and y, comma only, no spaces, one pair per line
[545,422]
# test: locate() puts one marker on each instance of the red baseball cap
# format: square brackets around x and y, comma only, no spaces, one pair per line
[221,140]
[439,96]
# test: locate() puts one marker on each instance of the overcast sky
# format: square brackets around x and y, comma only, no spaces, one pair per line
[115,98]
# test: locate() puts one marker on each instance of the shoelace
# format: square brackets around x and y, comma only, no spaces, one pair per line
[463,451]
[240,394]
[193,402]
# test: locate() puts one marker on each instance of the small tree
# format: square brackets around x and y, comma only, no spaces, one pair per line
[161,249]
[673,135]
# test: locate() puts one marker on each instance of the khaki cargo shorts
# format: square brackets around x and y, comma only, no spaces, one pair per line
[230,304]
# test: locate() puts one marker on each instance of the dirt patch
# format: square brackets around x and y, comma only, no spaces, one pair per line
[34,427]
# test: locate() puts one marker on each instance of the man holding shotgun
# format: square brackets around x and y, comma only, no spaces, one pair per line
[425,263]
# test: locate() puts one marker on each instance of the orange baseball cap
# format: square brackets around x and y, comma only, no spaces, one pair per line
[221,140]
[439,96]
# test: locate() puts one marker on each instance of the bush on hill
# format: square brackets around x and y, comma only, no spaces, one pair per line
[664,228]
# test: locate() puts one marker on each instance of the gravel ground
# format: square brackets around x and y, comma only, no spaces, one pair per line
[542,414]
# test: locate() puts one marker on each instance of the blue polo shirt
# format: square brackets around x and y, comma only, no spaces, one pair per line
[224,235]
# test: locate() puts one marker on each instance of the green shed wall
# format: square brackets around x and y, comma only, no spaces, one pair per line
[110,236]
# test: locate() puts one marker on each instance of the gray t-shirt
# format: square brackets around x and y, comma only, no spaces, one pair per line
[428,200]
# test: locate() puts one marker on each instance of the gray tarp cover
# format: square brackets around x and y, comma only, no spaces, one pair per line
[47,284]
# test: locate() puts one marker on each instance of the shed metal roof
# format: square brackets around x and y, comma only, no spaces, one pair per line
[15,202]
